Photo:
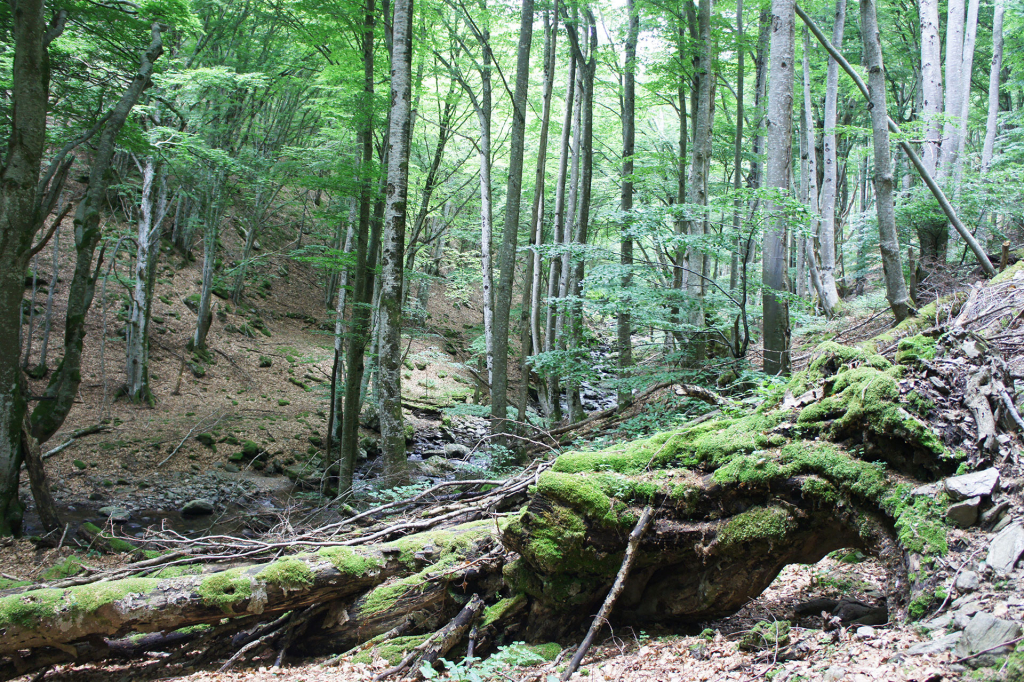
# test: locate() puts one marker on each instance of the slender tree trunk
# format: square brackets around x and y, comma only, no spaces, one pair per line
[991,122]
[41,368]
[340,301]
[888,240]
[625,324]
[152,210]
[966,68]
[392,422]
[486,205]
[807,243]
[737,220]
[530,334]
[779,154]
[954,62]
[931,80]
[697,193]
[60,394]
[510,227]
[552,399]
[367,242]
[211,230]
[827,229]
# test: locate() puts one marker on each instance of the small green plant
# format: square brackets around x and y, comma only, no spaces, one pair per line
[496,667]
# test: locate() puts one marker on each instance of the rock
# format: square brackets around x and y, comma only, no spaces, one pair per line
[116,514]
[834,674]
[967,581]
[97,497]
[865,632]
[986,633]
[198,507]
[929,490]
[964,514]
[990,516]
[977,484]
[436,466]
[1006,548]
[456,450]
[938,623]
[231,468]
[935,646]
[206,439]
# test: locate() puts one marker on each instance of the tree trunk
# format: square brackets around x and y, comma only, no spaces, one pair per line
[212,215]
[780,133]
[392,422]
[60,394]
[552,400]
[954,63]
[991,123]
[340,301]
[625,324]
[367,240]
[152,210]
[966,68]
[510,227]
[806,243]
[830,176]
[888,240]
[931,81]
[737,220]
[483,112]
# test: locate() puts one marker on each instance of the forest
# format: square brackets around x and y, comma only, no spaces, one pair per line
[466,340]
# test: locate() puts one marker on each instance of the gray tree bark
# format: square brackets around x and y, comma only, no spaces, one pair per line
[931,81]
[954,62]
[991,123]
[779,154]
[830,175]
[510,226]
[625,323]
[392,423]
[888,240]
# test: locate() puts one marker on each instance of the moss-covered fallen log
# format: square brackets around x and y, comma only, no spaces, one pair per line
[828,463]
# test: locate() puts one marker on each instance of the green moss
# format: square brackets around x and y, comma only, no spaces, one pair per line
[916,348]
[288,574]
[547,651]
[392,651]
[8,584]
[384,597]
[349,561]
[919,521]
[225,589]
[72,565]
[495,613]
[923,604]
[820,489]
[116,544]
[766,635]
[755,525]
[581,494]
[32,609]
[179,571]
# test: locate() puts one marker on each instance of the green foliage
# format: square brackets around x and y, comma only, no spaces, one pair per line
[497,666]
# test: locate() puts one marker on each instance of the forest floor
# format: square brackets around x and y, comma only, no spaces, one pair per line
[150,464]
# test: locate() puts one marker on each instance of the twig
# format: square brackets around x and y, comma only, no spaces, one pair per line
[991,648]
[609,602]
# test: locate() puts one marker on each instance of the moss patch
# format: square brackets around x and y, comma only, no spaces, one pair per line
[766,635]
[349,561]
[913,349]
[495,613]
[392,651]
[225,589]
[757,524]
[288,574]
[31,609]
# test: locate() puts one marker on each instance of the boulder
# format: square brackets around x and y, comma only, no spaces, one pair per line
[964,514]
[967,581]
[456,450]
[199,507]
[976,484]
[985,633]
[934,646]
[1006,548]
[115,514]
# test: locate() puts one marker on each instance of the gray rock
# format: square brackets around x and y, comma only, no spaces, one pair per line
[198,507]
[964,514]
[977,484]
[834,674]
[116,514]
[935,646]
[990,516]
[865,632]
[967,581]
[456,450]
[986,633]
[938,623]
[1006,548]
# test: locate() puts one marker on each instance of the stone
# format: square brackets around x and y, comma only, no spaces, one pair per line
[834,674]
[865,632]
[1006,548]
[206,439]
[976,484]
[198,507]
[985,633]
[990,516]
[938,623]
[934,646]
[967,581]
[456,450]
[964,514]
[231,468]
[116,514]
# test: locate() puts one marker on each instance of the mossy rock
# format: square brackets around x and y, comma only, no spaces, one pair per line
[265,361]
[766,634]
[913,349]
[206,439]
